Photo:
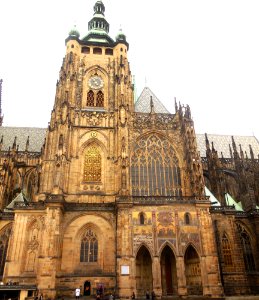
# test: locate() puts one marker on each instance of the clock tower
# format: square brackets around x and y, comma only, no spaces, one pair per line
[87,138]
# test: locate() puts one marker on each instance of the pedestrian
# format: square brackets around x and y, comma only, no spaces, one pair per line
[111,296]
[153,295]
[77,293]
[41,297]
[133,295]
[147,295]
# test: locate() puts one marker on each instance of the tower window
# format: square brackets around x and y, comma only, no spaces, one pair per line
[99,99]
[109,51]
[89,247]
[93,165]
[90,98]
[95,99]
[97,51]
[85,50]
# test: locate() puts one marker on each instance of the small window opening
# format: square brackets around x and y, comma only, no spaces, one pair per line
[97,51]
[187,219]
[141,219]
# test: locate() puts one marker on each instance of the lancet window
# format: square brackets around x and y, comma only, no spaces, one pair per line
[95,99]
[4,239]
[92,165]
[89,247]
[155,169]
[90,98]
[226,251]
[247,248]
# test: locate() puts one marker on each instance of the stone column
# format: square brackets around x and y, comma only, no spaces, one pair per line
[156,270]
[181,279]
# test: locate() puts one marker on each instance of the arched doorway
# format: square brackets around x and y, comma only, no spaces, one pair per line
[168,272]
[87,288]
[144,278]
[193,272]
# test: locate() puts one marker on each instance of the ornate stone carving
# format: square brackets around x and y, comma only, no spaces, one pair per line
[159,121]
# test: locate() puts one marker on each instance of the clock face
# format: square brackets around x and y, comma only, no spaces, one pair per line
[95,82]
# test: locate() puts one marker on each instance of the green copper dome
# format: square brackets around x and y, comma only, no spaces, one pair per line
[120,36]
[74,32]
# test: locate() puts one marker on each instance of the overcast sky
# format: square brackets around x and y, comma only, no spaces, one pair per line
[203,52]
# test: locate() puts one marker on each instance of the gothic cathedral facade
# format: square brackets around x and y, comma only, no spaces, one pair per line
[115,198]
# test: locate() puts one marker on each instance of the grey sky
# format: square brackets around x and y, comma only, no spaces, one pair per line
[204,52]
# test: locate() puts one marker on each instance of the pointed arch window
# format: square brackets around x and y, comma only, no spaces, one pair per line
[154,168]
[4,240]
[187,219]
[247,248]
[95,99]
[141,218]
[93,165]
[90,98]
[89,247]
[99,99]
[226,251]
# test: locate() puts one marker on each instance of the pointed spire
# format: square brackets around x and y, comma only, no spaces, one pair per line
[14,143]
[152,110]
[27,144]
[212,146]
[230,151]
[234,144]
[251,152]
[207,142]
[241,151]
[175,105]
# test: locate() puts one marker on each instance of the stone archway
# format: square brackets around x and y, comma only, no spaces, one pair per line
[193,272]
[144,278]
[168,272]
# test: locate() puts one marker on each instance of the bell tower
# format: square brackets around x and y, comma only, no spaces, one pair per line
[87,134]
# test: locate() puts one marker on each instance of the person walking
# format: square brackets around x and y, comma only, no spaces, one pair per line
[153,295]
[133,296]
[147,295]
[77,293]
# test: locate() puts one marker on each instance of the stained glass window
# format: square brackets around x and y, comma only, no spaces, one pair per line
[89,247]
[226,251]
[92,165]
[154,168]
[247,248]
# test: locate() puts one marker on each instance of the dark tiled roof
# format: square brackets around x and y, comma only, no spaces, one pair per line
[36,137]
[143,103]
[222,142]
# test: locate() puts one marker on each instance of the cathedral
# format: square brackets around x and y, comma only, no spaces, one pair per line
[121,196]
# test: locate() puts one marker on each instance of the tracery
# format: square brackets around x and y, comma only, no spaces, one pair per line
[155,168]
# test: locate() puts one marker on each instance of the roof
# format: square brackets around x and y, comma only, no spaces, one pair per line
[222,142]
[143,103]
[36,137]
